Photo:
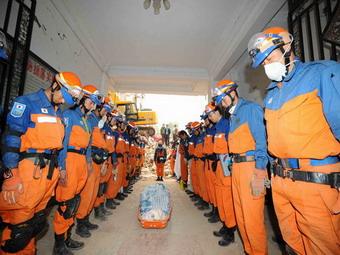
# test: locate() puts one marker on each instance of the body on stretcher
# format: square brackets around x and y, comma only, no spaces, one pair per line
[155,207]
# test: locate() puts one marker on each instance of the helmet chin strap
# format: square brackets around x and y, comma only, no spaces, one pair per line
[52,95]
[82,105]
[232,99]
[287,54]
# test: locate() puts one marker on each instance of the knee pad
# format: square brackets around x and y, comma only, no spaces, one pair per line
[21,235]
[71,207]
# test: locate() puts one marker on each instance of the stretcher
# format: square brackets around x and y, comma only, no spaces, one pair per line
[154,211]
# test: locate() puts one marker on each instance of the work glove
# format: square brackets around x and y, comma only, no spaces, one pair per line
[12,187]
[62,178]
[336,207]
[115,171]
[258,183]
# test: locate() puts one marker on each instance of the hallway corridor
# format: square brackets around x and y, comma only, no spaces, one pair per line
[188,232]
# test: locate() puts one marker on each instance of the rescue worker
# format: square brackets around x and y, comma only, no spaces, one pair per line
[247,143]
[160,159]
[113,186]
[191,165]
[32,140]
[183,151]
[75,166]
[126,161]
[302,110]
[132,130]
[120,154]
[90,192]
[100,154]
[172,159]
[198,176]
[223,187]
[208,150]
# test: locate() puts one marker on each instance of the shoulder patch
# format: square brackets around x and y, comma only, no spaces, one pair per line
[18,109]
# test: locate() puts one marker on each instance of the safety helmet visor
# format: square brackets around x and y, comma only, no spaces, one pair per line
[261,45]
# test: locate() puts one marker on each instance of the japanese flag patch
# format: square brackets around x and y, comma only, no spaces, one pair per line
[18,110]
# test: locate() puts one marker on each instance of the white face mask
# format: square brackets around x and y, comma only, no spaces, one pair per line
[275,71]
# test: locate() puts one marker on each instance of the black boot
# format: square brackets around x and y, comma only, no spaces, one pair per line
[221,232]
[110,204]
[228,237]
[120,197]
[73,244]
[211,213]
[89,225]
[194,198]
[204,206]
[127,190]
[215,218]
[115,202]
[158,179]
[106,212]
[199,202]
[82,229]
[99,214]
[60,246]
[161,178]
[189,192]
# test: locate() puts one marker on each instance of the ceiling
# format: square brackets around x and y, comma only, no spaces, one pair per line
[186,46]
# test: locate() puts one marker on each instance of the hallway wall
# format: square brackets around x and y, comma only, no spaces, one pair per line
[253,82]
[55,42]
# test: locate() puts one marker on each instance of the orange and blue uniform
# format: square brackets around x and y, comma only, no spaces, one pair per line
[303,127]
[104,141]
[126,159]
[199,167]
[160,158]
[172,161]
[183,151]
[247,142]
[223,190]
[132,156]
[191,165]
[73,158]
[121,162]
[113,186]
[35,133]
[90,191]
[208,151]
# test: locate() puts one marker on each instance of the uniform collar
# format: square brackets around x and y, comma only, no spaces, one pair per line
[237,106]
[78,110]
[297,67]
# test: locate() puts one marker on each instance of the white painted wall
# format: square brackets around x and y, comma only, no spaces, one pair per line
[56,43]
[253,82]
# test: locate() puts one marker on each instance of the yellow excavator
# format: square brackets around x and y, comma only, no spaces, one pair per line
[143,118]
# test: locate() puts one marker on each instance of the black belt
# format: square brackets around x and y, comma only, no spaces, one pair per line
[211,157]
[81,151]
[52,159]
[237,158]
[332,179]
[199,158]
